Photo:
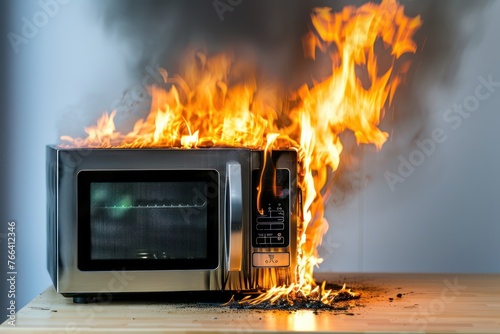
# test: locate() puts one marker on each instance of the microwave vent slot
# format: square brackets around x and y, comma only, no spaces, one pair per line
[156,206]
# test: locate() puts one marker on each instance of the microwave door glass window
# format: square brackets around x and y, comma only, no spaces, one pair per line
[148,220]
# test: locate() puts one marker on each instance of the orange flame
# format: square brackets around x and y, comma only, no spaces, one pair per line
[215,102]
[345,100]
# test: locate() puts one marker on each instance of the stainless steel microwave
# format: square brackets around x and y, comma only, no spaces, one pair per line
[161,220]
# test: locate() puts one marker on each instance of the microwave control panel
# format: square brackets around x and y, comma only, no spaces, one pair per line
[271,224]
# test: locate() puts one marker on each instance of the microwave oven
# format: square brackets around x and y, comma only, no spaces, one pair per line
[165,220]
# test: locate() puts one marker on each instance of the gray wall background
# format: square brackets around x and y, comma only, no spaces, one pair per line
[443,218]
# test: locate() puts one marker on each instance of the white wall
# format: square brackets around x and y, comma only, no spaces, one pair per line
[443,218]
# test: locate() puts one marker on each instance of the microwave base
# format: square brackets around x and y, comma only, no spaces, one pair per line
[218,297]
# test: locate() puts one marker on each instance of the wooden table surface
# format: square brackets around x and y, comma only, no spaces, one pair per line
[440,303]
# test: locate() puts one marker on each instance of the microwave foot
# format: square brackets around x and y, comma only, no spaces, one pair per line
[88,298]
[84,299]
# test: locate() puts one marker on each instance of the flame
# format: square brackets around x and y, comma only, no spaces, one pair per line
[214,101]
[270,140]
[341,102]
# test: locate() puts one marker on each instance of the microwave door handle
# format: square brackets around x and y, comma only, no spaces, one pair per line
[234,216]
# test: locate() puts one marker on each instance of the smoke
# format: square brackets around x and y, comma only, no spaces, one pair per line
[158,32]
[442,40]
[269,32]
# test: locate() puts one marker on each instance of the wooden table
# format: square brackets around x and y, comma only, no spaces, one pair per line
[444,303]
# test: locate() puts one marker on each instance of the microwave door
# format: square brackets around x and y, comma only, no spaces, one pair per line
[146,220]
